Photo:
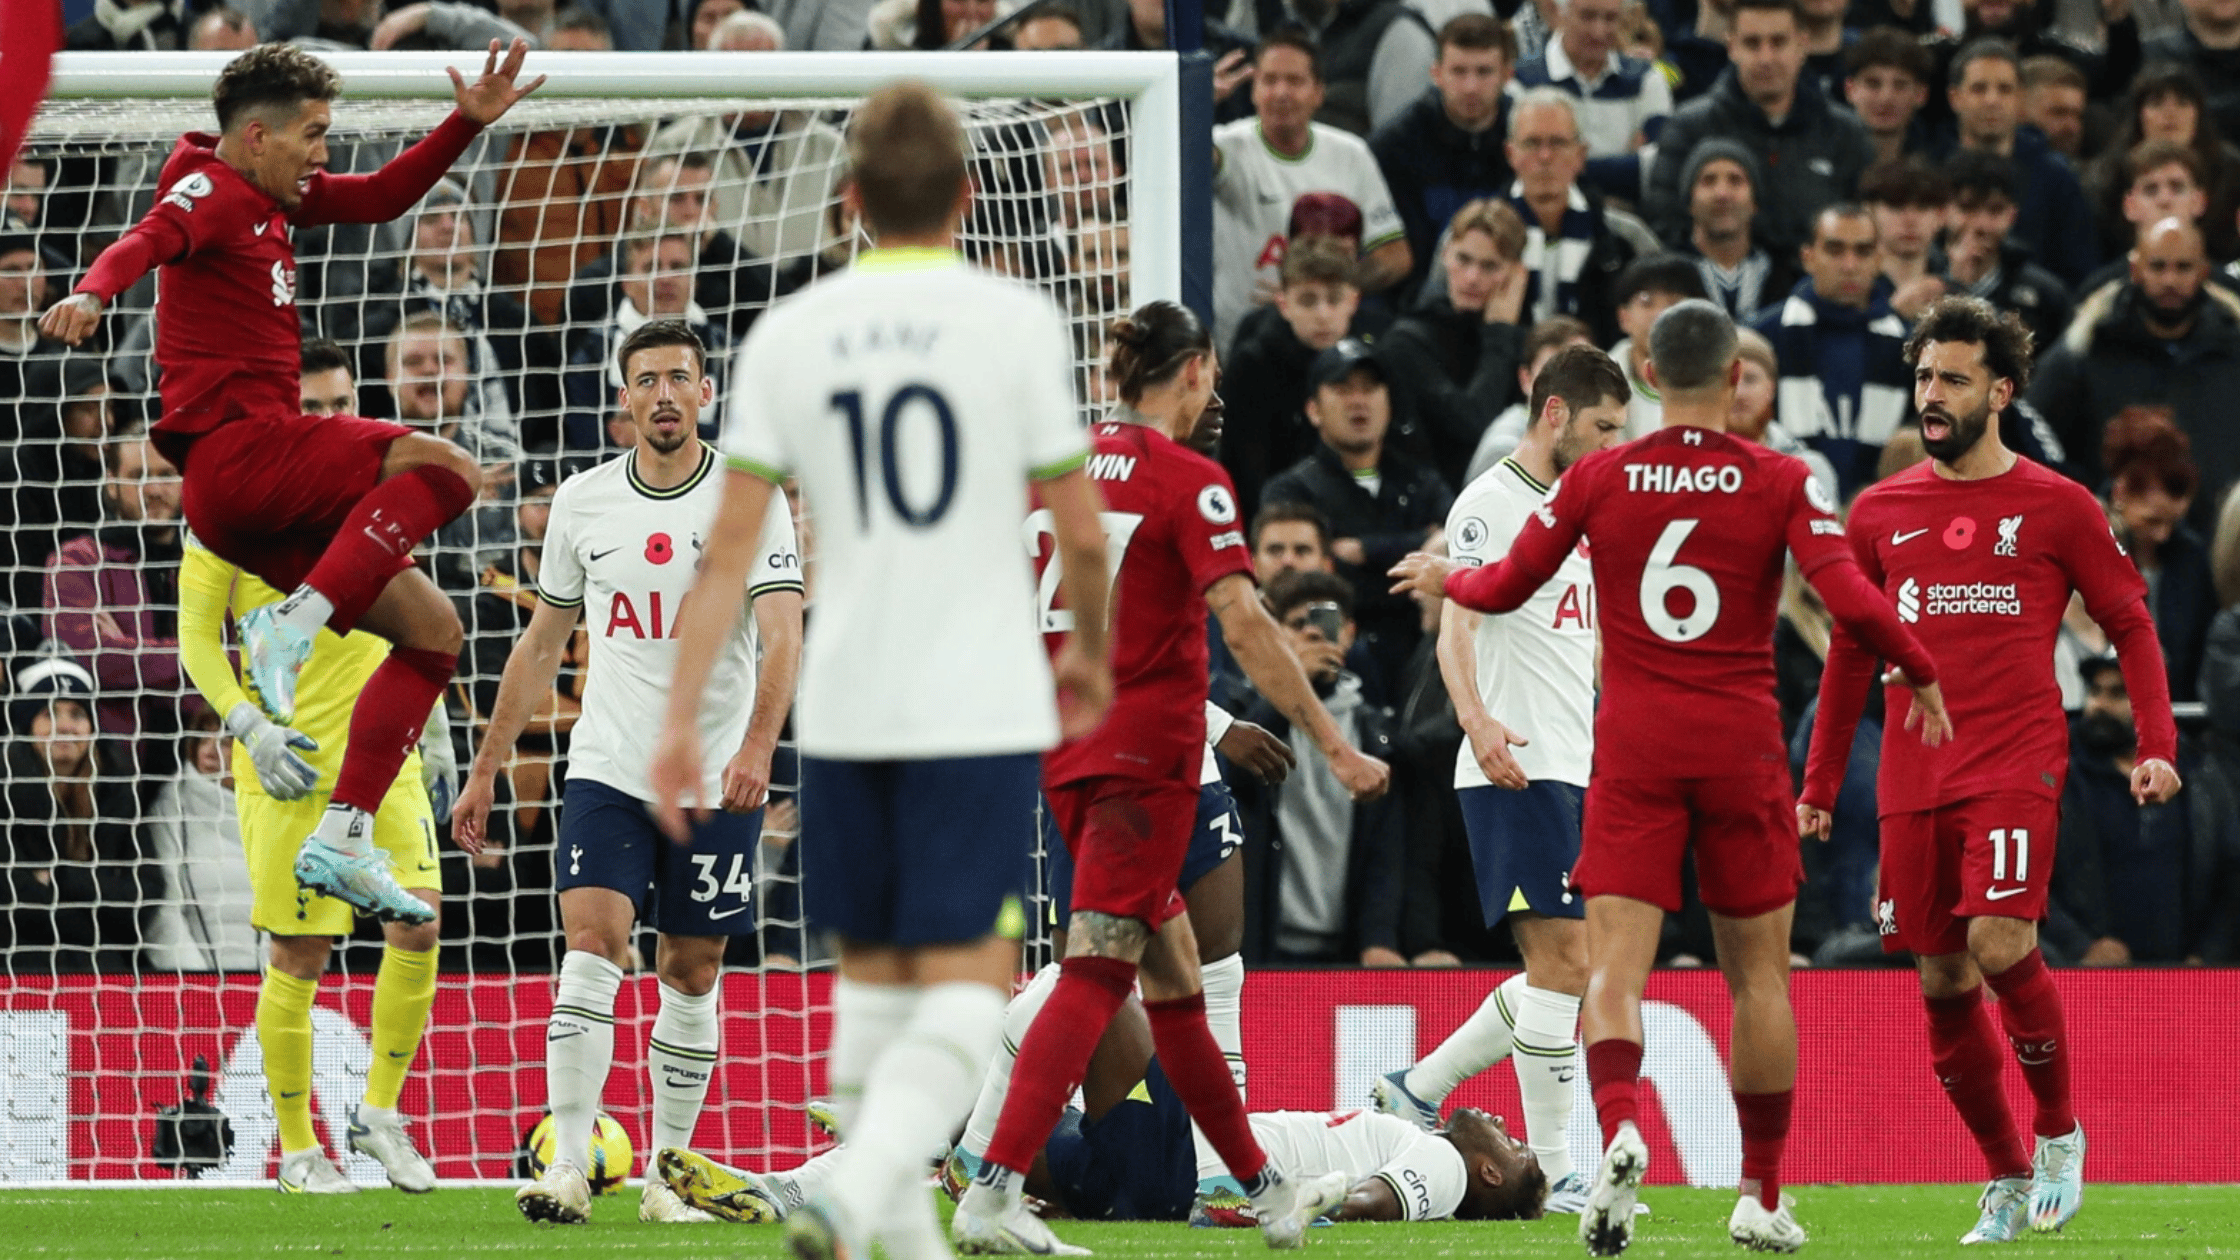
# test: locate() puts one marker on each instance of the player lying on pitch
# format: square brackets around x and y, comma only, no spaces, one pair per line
[1128,1156]
[282,777]
[329,511]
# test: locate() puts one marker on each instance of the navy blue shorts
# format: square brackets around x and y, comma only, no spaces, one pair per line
[1523,846]
[922,852]
[608,839]
[1218,835]
[1136,1164]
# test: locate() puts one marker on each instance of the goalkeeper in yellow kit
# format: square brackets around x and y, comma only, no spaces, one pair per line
[282,777]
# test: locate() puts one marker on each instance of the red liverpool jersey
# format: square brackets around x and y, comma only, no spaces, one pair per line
[1171,531]
[1982,571]
[227,337]
[1687,529]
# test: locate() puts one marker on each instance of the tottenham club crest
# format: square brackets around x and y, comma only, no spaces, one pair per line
[1216,505]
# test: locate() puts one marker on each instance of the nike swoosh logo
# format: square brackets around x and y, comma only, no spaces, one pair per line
[601,555]
[2001,894]
[1898,539]
[725,914]
[563,1034]
[295,1093]
[400,1054]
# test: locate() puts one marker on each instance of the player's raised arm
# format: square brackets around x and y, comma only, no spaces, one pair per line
[1084,665]
[1258,643]
[381,195]
[709,617]
[1505,585]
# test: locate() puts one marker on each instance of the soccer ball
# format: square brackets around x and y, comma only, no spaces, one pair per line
[611,1153]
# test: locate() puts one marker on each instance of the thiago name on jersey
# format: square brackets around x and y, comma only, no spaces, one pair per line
[1683,479]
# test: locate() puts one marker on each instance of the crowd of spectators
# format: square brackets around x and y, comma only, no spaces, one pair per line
[1415,204]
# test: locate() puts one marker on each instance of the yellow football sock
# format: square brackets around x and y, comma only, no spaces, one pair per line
[284,1030]
[402,994]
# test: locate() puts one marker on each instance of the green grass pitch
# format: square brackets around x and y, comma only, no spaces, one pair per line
[1876,1221]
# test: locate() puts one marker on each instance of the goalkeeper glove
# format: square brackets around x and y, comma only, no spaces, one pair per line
[439,765]
[272,750]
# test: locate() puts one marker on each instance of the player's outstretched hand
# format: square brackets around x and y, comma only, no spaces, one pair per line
[2154,781]
[1489,746]
[1927,713]
[72,319]
[1363,775]
[1420,572]
[1813,822]
[746,778]
[487,99]
[1084,690]
[470,814]
[676,781]
[1253,747]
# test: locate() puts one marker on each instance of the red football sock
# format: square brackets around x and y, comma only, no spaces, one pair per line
[385,726]
[2030,1007]
[1765,1130]
[376,540]
[1613,1069]
[1200,1076]
[1965,1049]
[1055,1055]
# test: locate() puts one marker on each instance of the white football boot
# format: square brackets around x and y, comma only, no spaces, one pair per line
[559,1195]
[390,1146]
[311,1172]
[1606,1225]
[2005,1207]
[1754,1227]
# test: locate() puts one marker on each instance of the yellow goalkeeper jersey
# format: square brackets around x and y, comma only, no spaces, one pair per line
[212,591]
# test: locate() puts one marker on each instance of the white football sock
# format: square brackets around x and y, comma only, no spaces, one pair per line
[995,1086]
[1547,1058]
[578,1050]
[346,828]
[1483,1040]
[680,1057]
[808,1181]
[866,1018]
[917,1094]
[1224,984]
[304,610]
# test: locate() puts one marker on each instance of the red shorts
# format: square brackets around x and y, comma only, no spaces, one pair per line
[1742,829]
[269,492]
[1984,857]
[1128,838]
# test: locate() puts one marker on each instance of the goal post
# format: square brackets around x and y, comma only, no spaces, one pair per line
[550,234]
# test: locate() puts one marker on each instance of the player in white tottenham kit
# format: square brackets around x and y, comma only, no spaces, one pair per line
[916,399]
[1523,688]
[620,552]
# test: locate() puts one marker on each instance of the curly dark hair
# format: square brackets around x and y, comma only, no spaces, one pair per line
[2004,338]
[272,74]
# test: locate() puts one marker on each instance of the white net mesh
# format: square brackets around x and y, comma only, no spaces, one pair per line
[489,315]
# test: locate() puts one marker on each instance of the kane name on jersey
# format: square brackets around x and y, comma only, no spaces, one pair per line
[1171,531]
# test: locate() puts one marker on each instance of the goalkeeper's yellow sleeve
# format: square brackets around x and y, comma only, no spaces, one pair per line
[205,590]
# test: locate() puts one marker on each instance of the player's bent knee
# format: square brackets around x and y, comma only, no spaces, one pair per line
[303,957]
[614,947]
[690,964]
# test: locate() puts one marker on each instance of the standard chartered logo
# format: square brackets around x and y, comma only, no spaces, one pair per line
[1909,601]
[1958,599]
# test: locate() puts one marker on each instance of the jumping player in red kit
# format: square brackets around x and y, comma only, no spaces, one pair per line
[328,508]
[1981,549]
[1125,797]
[1686,529]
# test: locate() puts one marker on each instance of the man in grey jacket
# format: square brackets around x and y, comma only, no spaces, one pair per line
[1812,152]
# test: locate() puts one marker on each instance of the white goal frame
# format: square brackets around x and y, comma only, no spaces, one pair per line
[1149,81]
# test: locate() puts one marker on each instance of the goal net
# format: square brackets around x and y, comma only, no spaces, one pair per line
[630,187]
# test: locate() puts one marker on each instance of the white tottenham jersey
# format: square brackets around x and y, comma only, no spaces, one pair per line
[915,397]
[1423,1169]
[627,554]
[1253,192]
[1535,665]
